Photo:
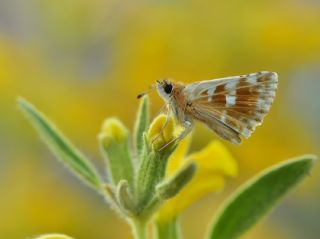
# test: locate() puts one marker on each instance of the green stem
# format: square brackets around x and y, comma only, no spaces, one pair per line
[139,229]
[170,229]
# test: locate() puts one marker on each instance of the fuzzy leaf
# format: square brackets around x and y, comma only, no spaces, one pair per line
[176,183]
[256,197]
[124,196]
[60,146]
[141,124]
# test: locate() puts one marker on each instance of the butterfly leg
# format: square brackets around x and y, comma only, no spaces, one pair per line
[188,126]
[163,127]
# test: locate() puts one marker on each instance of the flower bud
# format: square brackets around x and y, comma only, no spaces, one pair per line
[113,131]
[115,147]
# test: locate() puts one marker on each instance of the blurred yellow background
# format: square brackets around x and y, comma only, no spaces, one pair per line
[80,61]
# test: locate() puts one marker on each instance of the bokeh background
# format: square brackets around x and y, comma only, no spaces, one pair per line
[80,61]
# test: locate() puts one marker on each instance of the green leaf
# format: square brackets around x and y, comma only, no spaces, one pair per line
[60,146]
[141,124]
[256,197]
[111,198]
[176,183]
[124,197]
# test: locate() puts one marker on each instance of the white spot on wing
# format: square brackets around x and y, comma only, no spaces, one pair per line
[266,107]
[246,133]
[260,103]
[274,76]
[230,86]
[252,79]
[272,93]
[211,91]
[231,100]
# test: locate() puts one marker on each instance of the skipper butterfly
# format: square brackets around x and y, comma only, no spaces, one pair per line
[231,107]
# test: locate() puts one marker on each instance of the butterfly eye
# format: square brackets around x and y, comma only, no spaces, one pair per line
[168,88]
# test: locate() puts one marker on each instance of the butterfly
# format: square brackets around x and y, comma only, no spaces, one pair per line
[231,106]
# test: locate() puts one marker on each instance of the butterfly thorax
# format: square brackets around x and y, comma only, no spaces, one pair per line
[179,103]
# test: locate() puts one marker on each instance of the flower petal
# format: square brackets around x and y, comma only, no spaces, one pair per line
[214,162]
[157,125]
[215,157]
[177,158]
[199,186]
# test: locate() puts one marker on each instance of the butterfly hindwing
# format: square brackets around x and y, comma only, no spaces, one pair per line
[204,115]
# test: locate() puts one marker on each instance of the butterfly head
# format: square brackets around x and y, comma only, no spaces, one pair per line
[164,88]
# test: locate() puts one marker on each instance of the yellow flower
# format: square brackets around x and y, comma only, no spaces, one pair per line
[155,136]
[214,162]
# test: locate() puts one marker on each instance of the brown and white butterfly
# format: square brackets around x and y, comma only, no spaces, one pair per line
[230,106]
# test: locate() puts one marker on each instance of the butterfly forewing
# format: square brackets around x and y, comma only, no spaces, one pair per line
[238,103]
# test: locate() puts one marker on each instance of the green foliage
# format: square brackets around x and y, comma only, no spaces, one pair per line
[136,192]
[258,196]
[61,146]
[176,183]
[132,191]
[124,196]
[142,123]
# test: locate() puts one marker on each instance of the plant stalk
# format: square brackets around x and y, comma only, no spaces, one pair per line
[139,229]
[170,229]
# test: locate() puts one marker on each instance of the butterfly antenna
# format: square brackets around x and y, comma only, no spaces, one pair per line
[152,88]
